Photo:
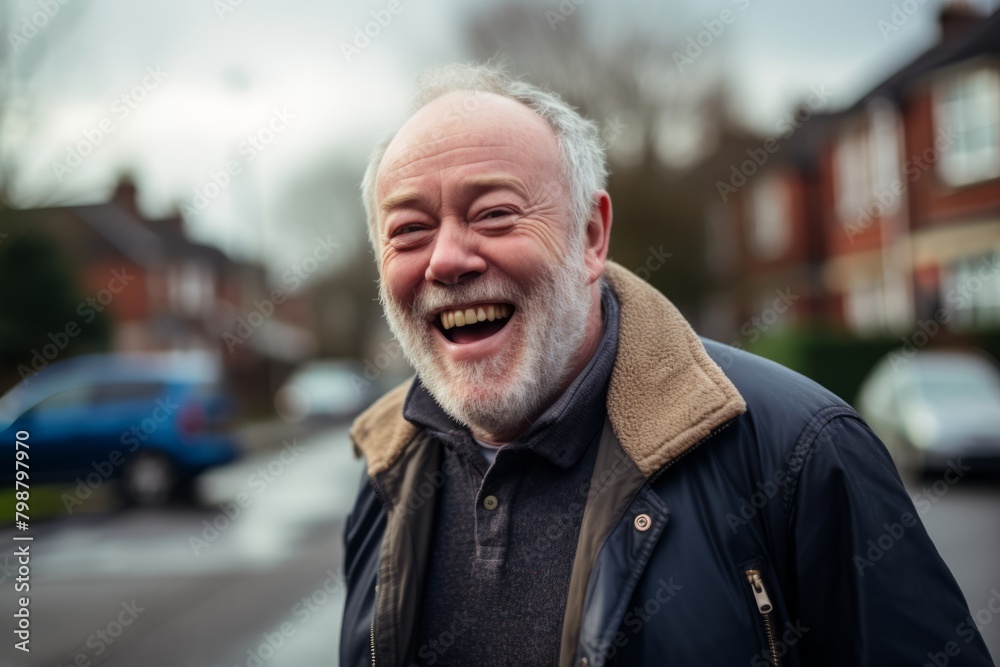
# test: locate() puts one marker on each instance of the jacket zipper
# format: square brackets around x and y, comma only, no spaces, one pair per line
[765,608]
[374,612]
[760,595]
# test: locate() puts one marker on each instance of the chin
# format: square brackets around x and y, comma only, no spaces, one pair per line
[502,406]
[483,399]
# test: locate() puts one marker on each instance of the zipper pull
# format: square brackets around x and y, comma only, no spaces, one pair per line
[765,607]
[759,593]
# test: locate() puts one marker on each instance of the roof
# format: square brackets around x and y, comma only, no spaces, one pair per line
[981,40]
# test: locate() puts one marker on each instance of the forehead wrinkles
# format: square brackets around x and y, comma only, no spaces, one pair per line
[505,157]
[431,152]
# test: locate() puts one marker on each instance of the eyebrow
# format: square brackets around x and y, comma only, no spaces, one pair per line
[406,198]
[473,186]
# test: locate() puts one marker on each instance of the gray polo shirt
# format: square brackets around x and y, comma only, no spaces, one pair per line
[505,532]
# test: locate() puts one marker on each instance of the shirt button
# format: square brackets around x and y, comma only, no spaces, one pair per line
[490,502]
[643,523]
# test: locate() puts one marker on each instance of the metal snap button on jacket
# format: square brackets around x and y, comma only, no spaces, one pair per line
[643,522]
[490,502]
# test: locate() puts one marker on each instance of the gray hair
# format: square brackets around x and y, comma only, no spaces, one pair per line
[584,166]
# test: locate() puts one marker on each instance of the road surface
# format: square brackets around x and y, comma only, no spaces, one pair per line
[197,588]
[262,586]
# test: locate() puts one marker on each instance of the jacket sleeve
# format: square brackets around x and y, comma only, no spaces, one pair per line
[362,541]
[867,582]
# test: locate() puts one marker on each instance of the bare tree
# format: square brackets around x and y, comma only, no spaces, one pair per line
[27,51]
[623,70]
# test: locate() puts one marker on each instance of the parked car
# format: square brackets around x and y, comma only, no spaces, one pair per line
[327,391]
[935,407]
[149,422]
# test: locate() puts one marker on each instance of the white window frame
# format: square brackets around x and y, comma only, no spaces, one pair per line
[853,172]
[770,217]
[864,303]
[970,288]
[967,109]
[884,146]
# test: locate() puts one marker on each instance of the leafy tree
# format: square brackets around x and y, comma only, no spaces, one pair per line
[39,297]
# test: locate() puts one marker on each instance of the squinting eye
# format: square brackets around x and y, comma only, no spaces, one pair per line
[408,235]
[497,213]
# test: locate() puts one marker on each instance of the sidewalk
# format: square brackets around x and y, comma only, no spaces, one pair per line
[268,434]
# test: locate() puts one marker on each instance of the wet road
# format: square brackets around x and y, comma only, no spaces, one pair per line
[258,583]
[963,519]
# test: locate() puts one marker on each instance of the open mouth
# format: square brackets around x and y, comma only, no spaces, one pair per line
[470,324]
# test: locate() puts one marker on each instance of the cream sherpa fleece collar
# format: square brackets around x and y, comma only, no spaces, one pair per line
[665,393]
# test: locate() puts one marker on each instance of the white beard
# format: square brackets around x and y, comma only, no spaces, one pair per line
[502,393]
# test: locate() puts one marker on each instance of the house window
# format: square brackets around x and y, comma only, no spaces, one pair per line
[191,288]
[865,308]
[968,113]
[971,291]
[769,223]
[853,175]
[885,155]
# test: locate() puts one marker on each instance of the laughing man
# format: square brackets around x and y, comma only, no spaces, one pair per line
[574,477]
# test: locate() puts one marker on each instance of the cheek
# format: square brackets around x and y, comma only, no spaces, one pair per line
[546,239]
[523,256]
[402,275]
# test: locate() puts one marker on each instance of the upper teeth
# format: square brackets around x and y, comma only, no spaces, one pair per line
[459,318]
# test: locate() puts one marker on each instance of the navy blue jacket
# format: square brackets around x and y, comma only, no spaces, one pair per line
[770,527]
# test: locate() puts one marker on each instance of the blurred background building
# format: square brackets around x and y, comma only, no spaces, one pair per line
[880,219]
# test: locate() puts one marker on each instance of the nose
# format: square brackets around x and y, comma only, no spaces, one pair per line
[455,257]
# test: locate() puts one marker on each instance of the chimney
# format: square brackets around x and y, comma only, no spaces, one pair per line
[125,197]
[957,18]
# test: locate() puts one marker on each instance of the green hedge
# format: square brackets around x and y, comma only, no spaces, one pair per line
[840,362]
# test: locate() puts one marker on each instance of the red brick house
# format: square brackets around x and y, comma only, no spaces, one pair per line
[887,213]
[911,188]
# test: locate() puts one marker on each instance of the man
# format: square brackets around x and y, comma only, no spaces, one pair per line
[574,477]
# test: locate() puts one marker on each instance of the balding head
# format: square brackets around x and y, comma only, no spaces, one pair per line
[581,152]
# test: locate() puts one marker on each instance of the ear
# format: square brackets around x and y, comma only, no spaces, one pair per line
[598,235]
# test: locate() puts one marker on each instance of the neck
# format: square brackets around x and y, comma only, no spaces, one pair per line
[578,361]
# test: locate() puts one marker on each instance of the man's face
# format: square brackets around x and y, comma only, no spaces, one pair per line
[482,269]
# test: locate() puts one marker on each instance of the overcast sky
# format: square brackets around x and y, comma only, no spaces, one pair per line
[211,74]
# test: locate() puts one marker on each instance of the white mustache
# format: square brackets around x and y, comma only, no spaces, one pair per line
[437,298]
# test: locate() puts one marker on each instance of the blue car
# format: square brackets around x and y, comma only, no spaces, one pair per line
[150,422]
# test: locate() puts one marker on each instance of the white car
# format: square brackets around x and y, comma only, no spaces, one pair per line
[932,408]
[325,391]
